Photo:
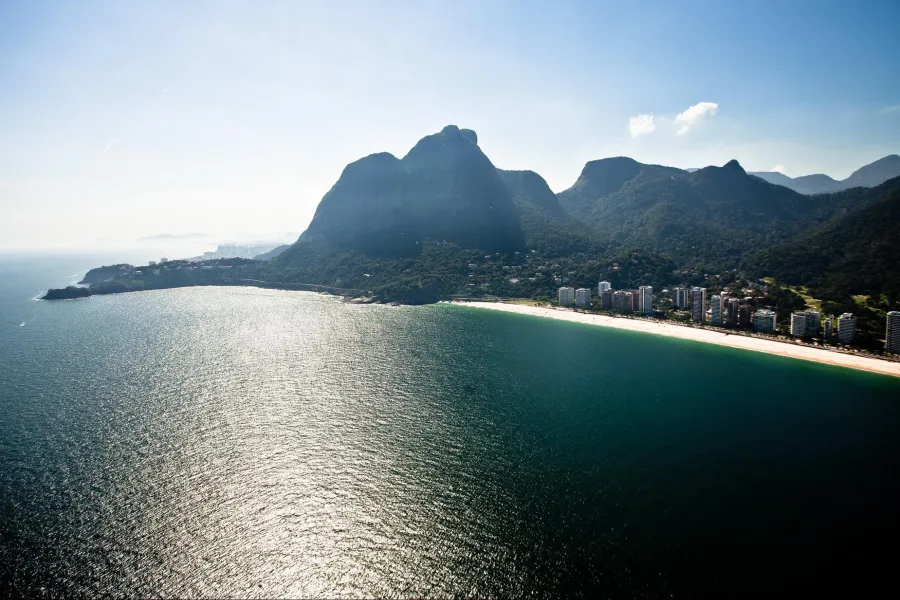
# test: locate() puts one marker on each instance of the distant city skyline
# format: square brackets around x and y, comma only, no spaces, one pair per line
[123,120]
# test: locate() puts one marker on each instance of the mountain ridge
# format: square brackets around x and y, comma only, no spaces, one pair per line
[870,175]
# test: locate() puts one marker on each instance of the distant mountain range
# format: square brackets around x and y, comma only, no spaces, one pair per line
[406,226]
[870,175]
[446,189]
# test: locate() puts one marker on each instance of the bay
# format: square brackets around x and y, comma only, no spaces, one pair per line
[262,443]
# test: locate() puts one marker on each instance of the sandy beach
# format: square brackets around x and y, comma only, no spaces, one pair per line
[819,355]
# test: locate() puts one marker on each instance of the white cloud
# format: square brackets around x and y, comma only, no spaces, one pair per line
[694,115]
[778,169]
[641,125]
[891,109]
[109,146]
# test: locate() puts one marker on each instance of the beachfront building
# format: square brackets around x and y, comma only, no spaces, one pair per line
[645,299]
[764,320]
[583,297]
[813,323]
[680,297]
[846,328]
[798,324]
[635,301]
[744,317]
[828,326]
[892,332]
[603,286]
[805,323]
[606,300]
[566,296]
[716,308]
[622,301]
[698,304]
[731,311]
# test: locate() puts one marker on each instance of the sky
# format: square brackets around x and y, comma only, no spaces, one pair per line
[120,120]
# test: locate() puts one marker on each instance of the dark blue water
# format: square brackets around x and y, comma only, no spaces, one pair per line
[259,443]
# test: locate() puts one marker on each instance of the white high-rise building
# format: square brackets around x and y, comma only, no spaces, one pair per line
[764,320]
[846,329]
[645,302]
[680,297]
[892,332]
[603,286]
[583,297]
[717,308]
[566,296]
[698,304]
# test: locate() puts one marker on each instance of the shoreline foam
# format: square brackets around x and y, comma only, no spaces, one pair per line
[819,355]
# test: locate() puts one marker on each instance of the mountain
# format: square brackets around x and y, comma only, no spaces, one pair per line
[599,178]
[272,253]
[876,173]
[870,175]
[775,177]
[444,220]
[817,184]
[444,189]
[712,215]
[858,253]
[528,189]
[548,228]
[406,229]
[806,184]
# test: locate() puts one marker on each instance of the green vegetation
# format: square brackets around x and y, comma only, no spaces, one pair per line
[712,216]
[68,293]
[855,255]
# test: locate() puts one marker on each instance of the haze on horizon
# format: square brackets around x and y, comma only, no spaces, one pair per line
[123,120]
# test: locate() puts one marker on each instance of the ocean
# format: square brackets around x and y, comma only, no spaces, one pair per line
[263,443]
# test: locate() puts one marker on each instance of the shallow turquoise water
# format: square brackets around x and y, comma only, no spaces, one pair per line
[235,441]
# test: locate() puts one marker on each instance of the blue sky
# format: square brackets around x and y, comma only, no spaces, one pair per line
[125,119]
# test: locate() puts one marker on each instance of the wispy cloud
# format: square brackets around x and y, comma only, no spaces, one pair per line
[641,125]
[778,169]
[694,115]
[109,146]
[164,91]
[891,109]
